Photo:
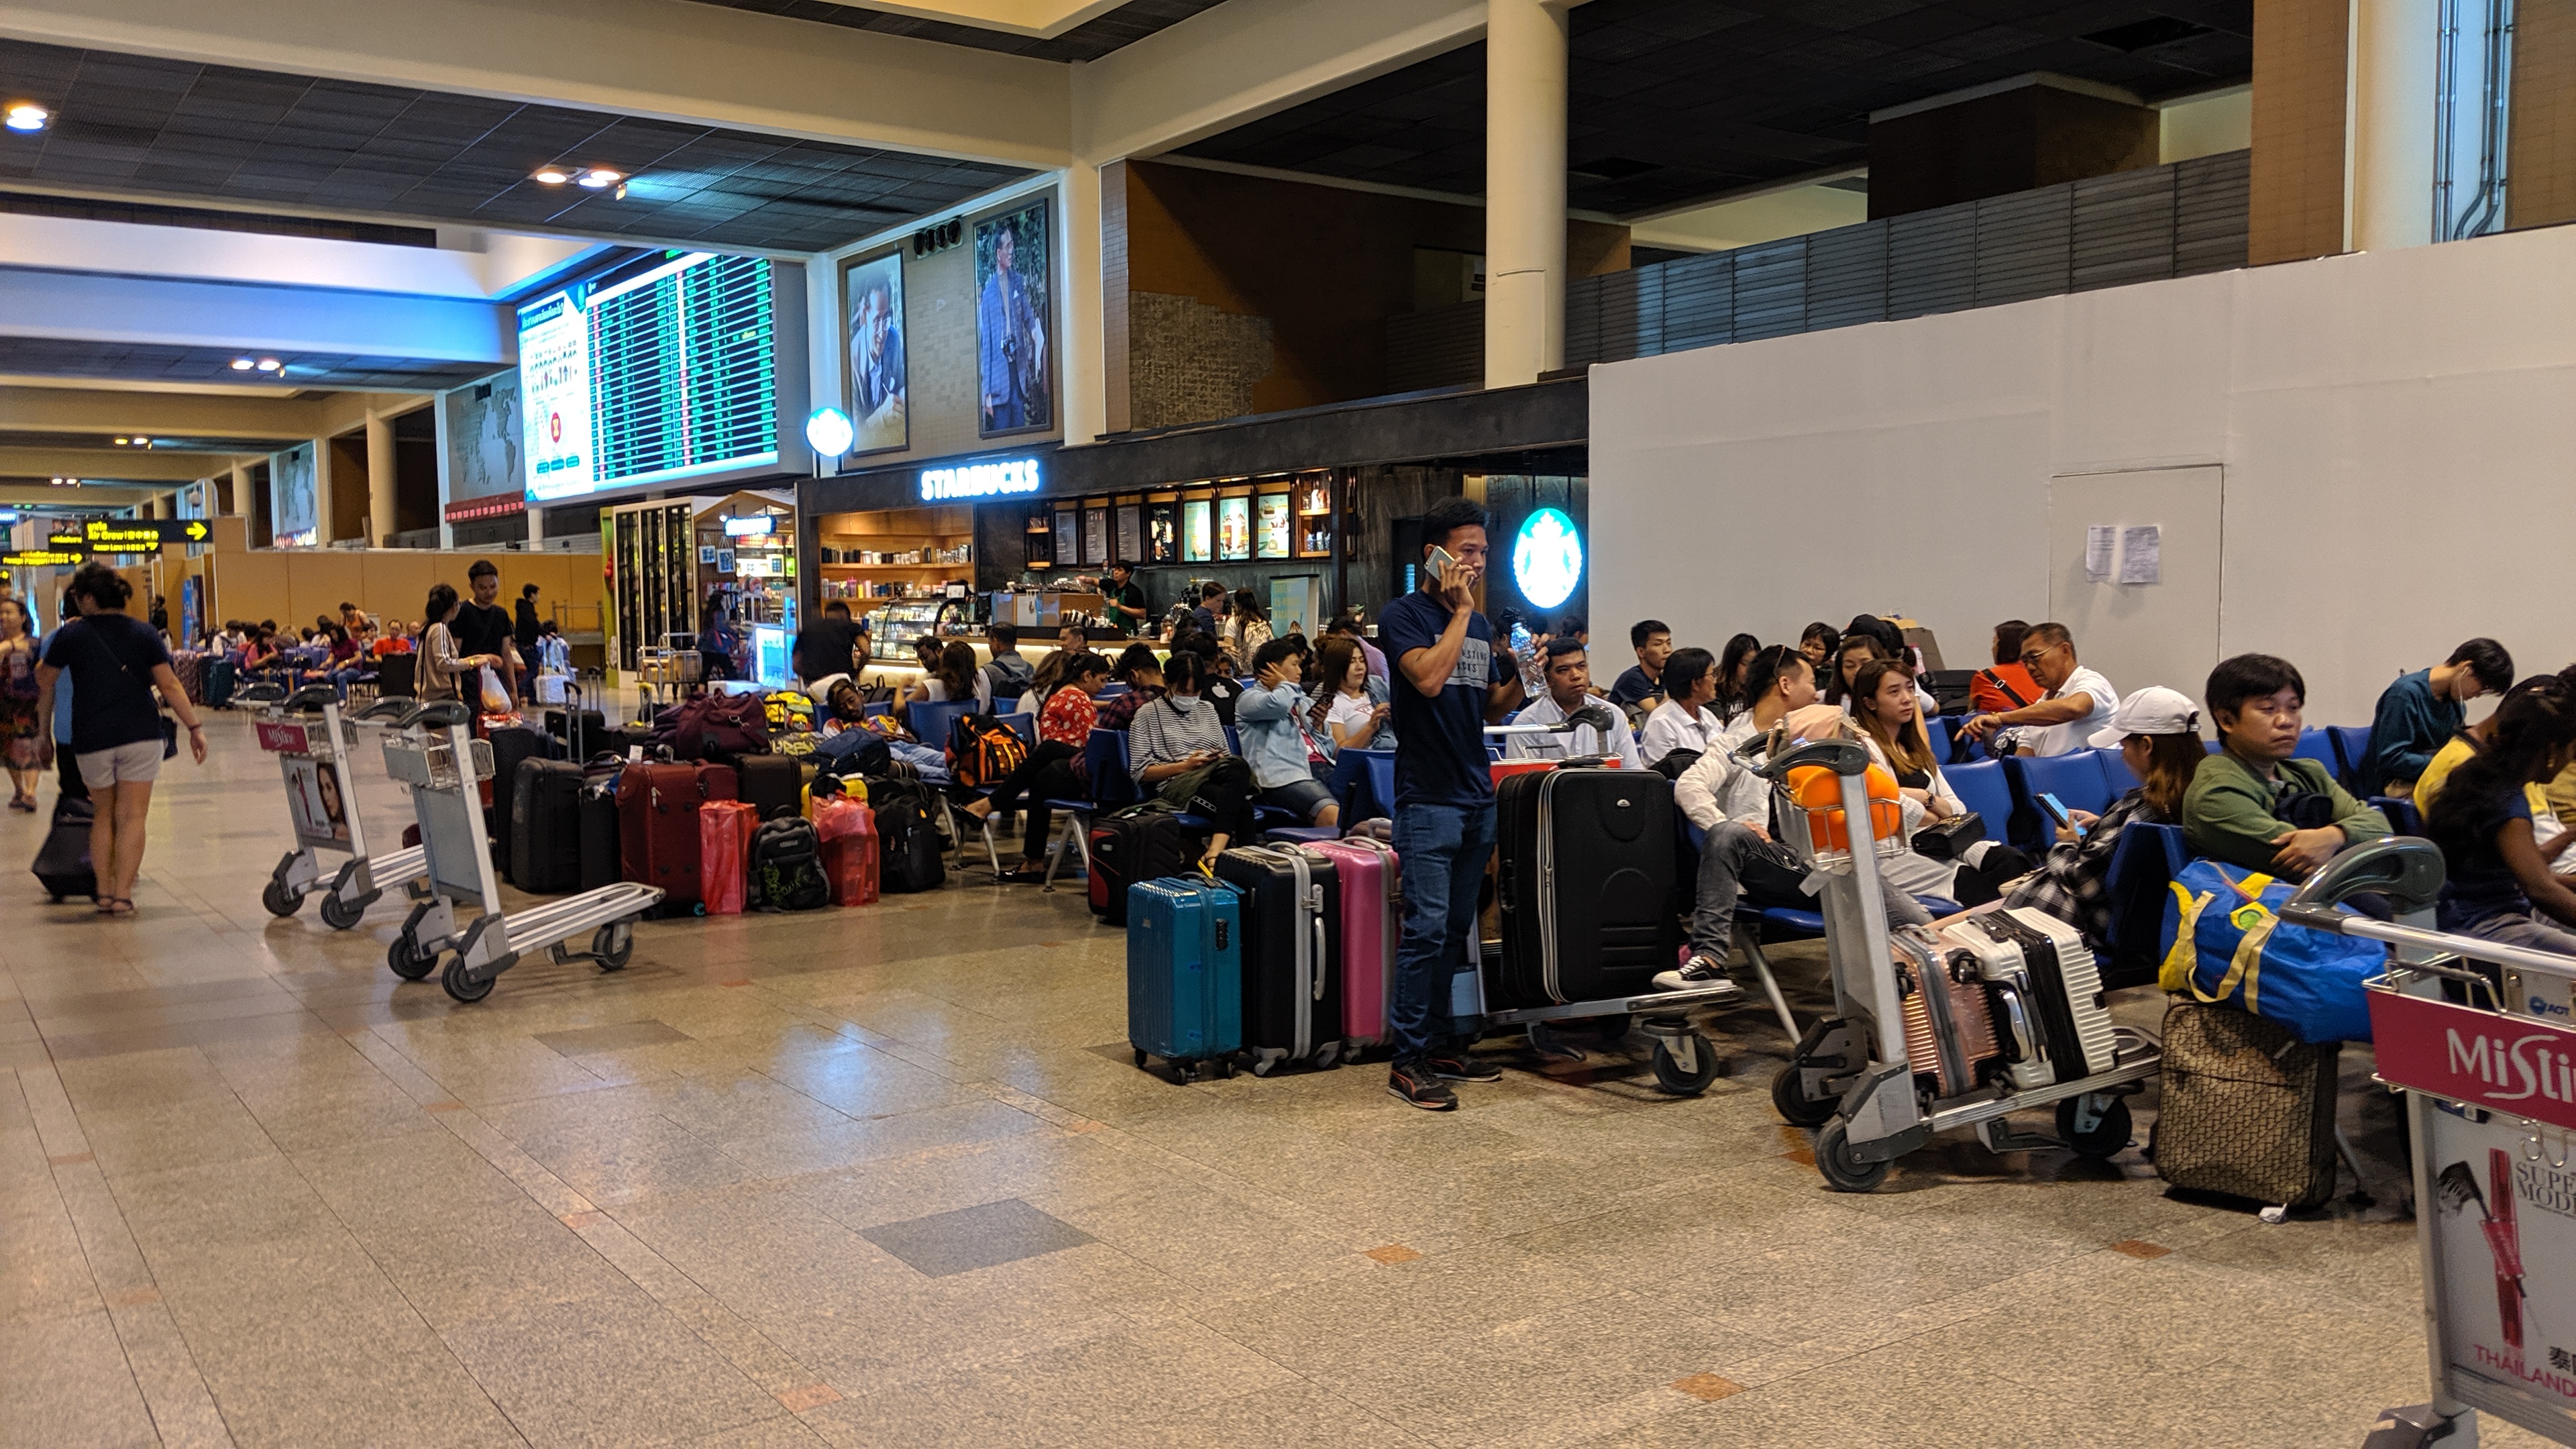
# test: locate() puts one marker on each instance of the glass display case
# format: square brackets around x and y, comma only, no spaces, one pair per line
[894,627]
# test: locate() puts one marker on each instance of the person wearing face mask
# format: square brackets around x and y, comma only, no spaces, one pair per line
[1176,748]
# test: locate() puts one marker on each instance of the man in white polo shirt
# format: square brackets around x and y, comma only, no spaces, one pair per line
[2078,703]
[1569,688]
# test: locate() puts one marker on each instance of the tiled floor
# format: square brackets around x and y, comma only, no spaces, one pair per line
[870,1177]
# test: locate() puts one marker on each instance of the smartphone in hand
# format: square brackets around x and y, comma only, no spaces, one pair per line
[1439,564]
[2057,812]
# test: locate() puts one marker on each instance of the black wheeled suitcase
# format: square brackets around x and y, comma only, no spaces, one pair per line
[599,838]
[1585,878]
[545,827]
[1130,846]
[62,862]
[774,783]
[1292,946]
[510,744]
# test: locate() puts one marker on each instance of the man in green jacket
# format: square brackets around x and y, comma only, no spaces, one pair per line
[2251,804]
[2420,712]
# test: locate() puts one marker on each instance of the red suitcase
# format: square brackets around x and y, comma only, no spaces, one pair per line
[657,825]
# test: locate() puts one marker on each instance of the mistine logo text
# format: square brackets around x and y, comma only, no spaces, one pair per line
[2513,1071]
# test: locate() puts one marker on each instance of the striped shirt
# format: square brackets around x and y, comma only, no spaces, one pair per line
[1162,735]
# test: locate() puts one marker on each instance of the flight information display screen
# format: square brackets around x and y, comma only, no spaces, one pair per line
[660,369]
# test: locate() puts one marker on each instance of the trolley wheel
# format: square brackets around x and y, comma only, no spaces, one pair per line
[1671,1078]
[1140,1058]
[338,914]
[279,898]
[407,959]
[2110,1134]
[1793,1104]
[1842,1171]
[462,986]
[614,945]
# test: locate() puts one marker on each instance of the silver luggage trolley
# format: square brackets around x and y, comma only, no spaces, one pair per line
[319,803]
[438,757]
[2472,1033]
[1684,1060]
[1851,1074]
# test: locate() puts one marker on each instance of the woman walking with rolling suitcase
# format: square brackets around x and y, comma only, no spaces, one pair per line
[116,661]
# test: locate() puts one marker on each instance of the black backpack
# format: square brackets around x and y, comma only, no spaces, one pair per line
[908,852]
[787,866]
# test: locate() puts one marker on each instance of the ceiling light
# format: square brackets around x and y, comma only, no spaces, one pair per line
[271,364]
[600,178]
[121,442]
[550,176]
[242,364]
[25,116]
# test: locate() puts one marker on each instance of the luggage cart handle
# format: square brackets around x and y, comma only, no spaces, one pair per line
[1843,757]
[309,699]
[1591,714]
[2404,868]
[442,713]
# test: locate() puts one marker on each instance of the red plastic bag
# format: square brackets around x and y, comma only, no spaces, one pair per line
[724,854]
[849,833]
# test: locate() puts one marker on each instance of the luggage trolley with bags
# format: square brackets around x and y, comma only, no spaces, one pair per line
[437,756]
[2471,1033]
[2001,1012]
[313,756]
[1584,877]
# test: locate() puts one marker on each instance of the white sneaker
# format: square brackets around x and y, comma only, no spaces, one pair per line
[1700,970]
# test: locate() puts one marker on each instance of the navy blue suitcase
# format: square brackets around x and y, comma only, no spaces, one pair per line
[1185,972]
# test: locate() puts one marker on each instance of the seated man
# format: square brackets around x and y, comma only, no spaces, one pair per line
[1569,688]
[1269,720]
[2076,706]
[1640,688]
[1738,859]
[2251,804]
[2419,713]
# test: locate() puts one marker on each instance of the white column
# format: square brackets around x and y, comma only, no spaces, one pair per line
[2389,123]
[241,492]
[1081,387]
[446,530]
[380,480]
[1524,190]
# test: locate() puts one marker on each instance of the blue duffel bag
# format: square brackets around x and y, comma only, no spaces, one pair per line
[2225,942]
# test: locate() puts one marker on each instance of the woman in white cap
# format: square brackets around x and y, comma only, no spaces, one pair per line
[2157,731]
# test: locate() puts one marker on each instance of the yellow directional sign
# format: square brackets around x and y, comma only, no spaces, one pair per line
[37,558]
[143,535]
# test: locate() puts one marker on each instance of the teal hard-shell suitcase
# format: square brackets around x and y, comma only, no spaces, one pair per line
[1185,972]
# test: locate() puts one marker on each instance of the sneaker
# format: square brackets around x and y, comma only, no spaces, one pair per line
[1700,970]
[1415,1083]
[1463,1069]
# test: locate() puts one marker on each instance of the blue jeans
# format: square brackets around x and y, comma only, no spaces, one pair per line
[1442,849]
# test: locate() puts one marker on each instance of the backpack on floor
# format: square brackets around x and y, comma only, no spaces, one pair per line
[787,866]
[907,841]
[983,751]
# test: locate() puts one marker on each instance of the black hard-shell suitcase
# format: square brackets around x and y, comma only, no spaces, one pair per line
[62,862]
[1292,947]
[545,827]
[775,783]
[599,838]
[1585,878]
[510,744]
[1129,847]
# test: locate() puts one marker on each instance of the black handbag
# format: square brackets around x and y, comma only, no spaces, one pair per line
[1947,839]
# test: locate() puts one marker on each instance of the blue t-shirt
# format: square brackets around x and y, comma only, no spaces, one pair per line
[1632,685]
[1440,756]
[2481,885]
[110,658]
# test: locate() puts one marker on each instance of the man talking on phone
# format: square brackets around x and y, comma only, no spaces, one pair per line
[1450,683]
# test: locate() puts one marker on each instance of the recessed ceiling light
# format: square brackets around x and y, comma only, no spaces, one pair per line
[600,178]
[242,364]
[25,116]
[121,442]
[550,176]
[271,364]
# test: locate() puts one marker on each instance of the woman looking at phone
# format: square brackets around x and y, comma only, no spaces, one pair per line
[1176,746]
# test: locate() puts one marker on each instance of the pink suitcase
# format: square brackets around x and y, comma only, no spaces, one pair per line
[1372,923]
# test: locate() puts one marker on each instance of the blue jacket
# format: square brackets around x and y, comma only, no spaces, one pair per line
[1266,721]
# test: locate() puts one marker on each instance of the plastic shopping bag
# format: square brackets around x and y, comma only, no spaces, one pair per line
[496,698]
[724,854]
[849,833]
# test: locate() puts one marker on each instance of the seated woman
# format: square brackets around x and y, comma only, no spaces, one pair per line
[1269,717]
[955,678]
[1046,679]
[1820,642]
[1892,721]
[1350,707]
[1053,770]
[1732,663]
[2253,804]
[1854,651]
[261,654]
[2158,733]
[2500,885]
[346,661]
[1176,749]
[1684,721]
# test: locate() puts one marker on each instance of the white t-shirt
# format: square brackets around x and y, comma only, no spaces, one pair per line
[1673,727]
[1351,712]
[2066,739]
[938,688]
